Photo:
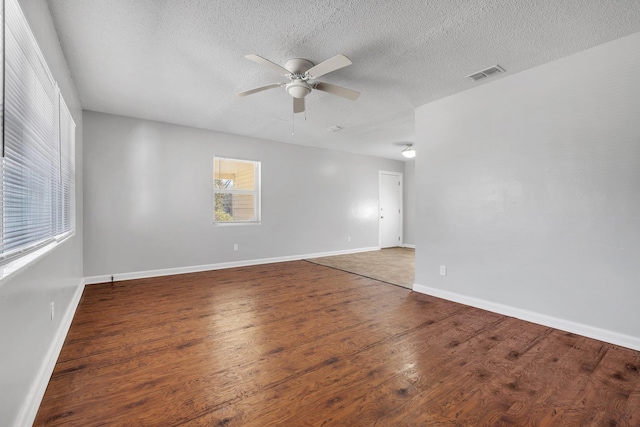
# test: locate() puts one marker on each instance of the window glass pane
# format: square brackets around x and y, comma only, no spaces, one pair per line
[235,207]
[234,174]
[242,207]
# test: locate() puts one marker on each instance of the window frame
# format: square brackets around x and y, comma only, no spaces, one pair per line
[256,192]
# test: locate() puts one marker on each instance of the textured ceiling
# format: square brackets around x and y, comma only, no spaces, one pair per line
[182,61]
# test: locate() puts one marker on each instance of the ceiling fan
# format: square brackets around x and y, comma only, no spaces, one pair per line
[301,74]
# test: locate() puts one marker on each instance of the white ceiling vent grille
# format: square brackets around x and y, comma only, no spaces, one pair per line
[488,72]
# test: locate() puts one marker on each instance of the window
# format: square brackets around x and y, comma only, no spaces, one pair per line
[38,147]
[236,191]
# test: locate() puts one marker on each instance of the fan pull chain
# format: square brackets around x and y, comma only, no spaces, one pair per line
[293,125]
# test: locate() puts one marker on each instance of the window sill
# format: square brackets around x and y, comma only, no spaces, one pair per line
[15,266]
[233,224]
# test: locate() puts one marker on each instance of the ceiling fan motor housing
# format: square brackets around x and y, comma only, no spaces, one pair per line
[298,66]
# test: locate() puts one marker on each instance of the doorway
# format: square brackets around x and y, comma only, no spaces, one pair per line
[390,209]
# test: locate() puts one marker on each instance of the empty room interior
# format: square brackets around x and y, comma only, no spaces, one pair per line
[336,213]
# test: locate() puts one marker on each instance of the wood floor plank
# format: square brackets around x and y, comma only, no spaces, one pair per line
[609,388]
[462,376]
[370,361]
[178,332]
[414,373]
[274,362]
[302,344]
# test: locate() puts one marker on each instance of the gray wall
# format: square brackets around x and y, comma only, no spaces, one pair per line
[528,190]
[26,333]
[409,202]
[149,197]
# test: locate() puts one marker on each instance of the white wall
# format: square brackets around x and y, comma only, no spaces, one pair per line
[528,189]
[26,333]
[409,201]
[149,198]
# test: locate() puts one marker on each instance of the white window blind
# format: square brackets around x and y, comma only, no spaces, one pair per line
[38,146]
[66,220]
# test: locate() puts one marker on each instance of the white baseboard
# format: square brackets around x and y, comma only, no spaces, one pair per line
[530,316]
[29,410]
[196,268]
[408,245]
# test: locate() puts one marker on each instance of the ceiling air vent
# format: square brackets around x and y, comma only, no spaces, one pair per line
[488,72]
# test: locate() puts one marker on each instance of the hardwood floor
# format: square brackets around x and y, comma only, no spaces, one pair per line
[300,344]
[391,265]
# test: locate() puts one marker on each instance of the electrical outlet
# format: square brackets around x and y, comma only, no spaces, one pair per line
[52,310]
[443,270]
[348,238]
[235,246]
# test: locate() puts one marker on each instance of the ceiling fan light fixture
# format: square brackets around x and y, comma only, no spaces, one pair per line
[302,74]
[409,152]
[298,89]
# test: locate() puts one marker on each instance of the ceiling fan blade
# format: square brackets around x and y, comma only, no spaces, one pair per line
[298,105]
[258,89]
[331,64]
[337,90]
[275,67]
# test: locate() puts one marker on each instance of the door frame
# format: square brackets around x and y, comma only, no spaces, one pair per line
[400,176]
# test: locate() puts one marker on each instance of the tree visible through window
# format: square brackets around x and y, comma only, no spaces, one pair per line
[236,188]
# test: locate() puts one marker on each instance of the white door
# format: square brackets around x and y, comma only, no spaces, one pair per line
[390,209]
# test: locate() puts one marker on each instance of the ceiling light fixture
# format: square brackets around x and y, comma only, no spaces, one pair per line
[409,152]
[298,89]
